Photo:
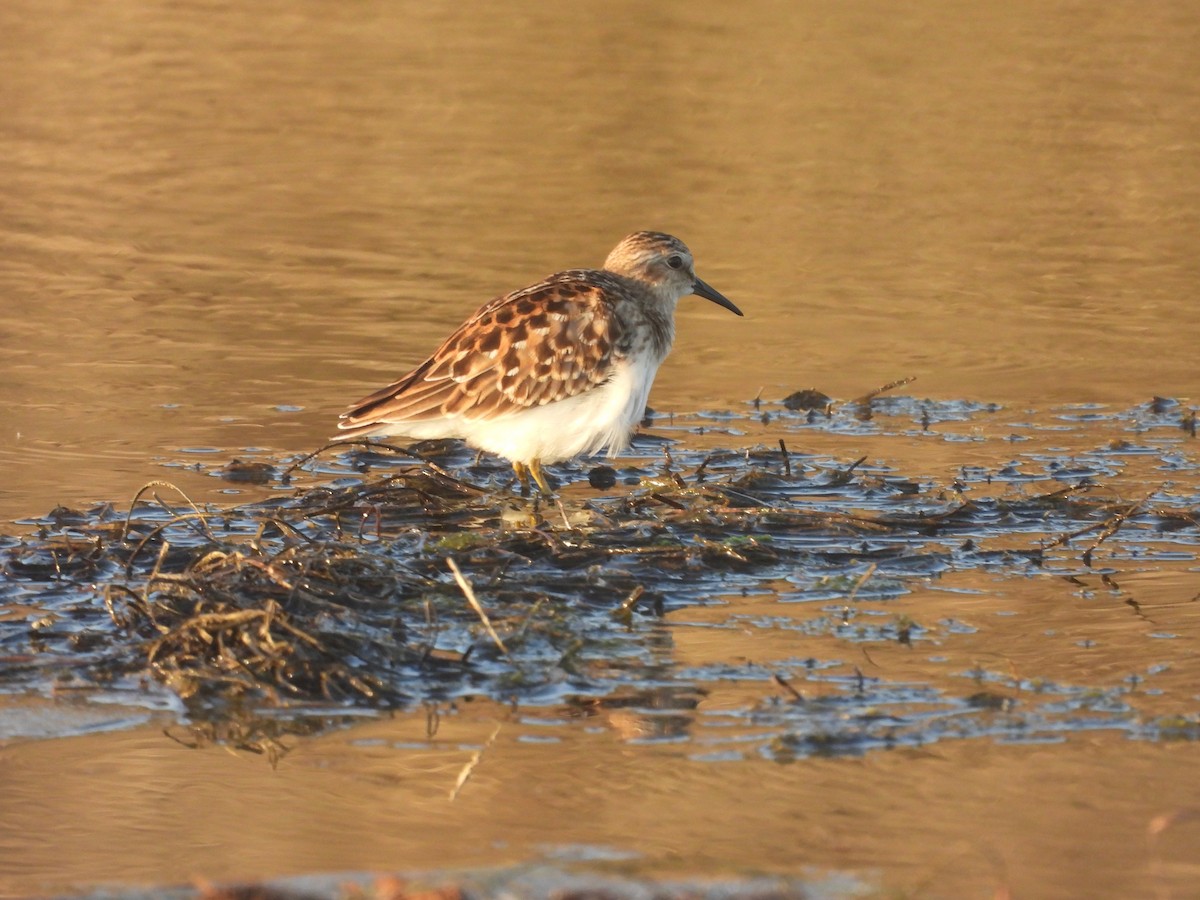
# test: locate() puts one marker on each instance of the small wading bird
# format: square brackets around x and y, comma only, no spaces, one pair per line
[559,368]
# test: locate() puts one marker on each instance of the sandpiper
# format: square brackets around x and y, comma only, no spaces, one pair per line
[559,368]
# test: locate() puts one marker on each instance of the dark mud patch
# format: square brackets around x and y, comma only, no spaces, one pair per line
[385,579]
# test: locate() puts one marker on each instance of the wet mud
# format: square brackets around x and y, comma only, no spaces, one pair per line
[382,577]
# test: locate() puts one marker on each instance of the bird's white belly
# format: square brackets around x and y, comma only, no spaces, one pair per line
[600,419]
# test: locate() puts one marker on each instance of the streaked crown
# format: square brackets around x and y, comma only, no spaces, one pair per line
[660,260]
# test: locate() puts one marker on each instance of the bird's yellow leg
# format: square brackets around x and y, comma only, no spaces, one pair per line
[522,476]
[535,469]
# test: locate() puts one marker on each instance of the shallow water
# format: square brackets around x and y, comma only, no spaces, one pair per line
[957,820]
[223,224]
[220,224]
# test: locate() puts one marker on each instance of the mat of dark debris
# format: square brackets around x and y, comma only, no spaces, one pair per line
[417,576]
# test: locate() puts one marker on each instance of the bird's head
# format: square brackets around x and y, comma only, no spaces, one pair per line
[665,264]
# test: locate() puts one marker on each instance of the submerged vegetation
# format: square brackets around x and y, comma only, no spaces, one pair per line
[403,576]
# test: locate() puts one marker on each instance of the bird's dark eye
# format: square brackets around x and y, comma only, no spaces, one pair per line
[675,262]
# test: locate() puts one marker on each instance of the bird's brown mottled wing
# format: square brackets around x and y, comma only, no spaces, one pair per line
[550,341]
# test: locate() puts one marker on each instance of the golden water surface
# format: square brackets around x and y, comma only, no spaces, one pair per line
[220,223]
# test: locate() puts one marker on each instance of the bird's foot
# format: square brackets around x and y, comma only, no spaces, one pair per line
[535,472]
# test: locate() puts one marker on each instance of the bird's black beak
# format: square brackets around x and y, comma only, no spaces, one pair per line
[700,289]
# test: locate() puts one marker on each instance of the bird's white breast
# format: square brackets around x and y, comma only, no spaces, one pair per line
[600,419]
